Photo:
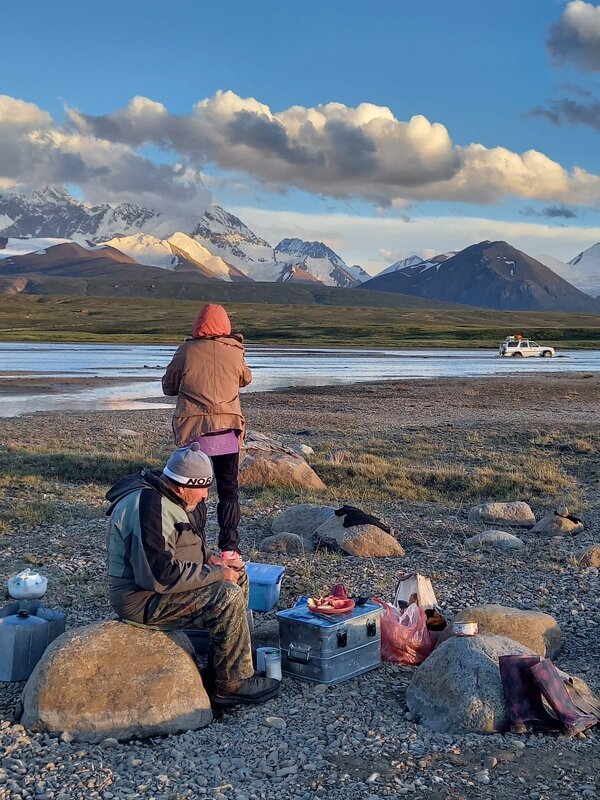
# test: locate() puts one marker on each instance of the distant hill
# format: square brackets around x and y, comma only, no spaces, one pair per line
[489,275]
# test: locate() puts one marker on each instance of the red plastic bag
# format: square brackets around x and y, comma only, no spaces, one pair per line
[404,635]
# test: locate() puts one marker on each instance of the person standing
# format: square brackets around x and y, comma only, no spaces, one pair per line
[205,375]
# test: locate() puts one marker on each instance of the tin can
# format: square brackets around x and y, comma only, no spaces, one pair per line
[261,652]
[465,629]
[273,664]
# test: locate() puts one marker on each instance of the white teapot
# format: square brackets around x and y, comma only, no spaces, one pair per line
[27,585]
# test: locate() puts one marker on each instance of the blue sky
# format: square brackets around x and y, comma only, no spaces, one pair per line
[476,67]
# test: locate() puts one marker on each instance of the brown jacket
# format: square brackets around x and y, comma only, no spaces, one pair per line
[206,374]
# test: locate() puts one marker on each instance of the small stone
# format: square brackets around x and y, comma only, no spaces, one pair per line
[283,542]
[495,540]
[66,737]
[482,777]
[275,722]
[489,762]
[127,433]
[109,742]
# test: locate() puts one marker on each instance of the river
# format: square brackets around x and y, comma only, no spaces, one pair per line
[138,368]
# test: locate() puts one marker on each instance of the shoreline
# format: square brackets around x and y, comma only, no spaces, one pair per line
[29,385]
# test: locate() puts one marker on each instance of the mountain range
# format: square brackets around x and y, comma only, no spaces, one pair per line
[48,233]
[220,246]
[491,275]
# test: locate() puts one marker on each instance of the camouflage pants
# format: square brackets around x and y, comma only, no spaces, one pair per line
[219,608]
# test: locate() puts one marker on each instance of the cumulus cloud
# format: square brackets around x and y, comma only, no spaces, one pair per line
[552,212]
[575,38]
[36,150]
[340,151]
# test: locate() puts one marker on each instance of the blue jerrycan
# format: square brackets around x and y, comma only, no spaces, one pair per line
[23,639]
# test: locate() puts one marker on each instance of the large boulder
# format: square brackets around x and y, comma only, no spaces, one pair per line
[114,680]
[533,629]
[303,520]
[516,514]
[558,523]
[494,540]
[366,541]
[458,689]
[588,556]
[273,468]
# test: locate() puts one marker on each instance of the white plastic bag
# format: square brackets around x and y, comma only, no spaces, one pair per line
[415,588]
[27,585]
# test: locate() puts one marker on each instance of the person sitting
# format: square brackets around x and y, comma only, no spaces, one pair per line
[159,573]
[205,374]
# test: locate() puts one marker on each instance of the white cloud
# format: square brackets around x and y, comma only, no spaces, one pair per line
[576,36]
[36,150]
[340,151]
[362,240]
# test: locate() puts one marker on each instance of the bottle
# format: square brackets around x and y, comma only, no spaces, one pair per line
[23,639]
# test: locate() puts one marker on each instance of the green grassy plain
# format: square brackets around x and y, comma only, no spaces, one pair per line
[39,318]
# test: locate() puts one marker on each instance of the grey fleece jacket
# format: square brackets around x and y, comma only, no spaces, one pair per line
[155,546]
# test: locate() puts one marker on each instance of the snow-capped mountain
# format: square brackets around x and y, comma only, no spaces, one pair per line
[291,260]
[489,275]
[358,273]
[226,236]
[417,263]
[587,267]
[397,265]
[220,246]
[177,253]
[315,259]
[51,212]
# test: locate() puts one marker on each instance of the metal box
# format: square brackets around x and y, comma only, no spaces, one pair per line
[329,649]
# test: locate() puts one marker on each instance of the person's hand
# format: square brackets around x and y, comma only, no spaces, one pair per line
[215,561]
[232,559]
[230,575]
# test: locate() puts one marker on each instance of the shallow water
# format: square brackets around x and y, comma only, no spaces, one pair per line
[272,367]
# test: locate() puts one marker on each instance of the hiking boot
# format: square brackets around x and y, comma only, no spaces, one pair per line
[251,691]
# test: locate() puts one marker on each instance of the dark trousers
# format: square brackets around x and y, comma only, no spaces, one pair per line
[228,508]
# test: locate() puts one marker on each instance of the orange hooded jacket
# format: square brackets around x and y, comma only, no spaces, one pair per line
[205,375]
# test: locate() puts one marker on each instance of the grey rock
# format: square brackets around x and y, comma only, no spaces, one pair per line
[282,543]
[303,450]
[514,514]
[275,722]
[494,540]
[109,742]
[533,629]
[457,689]
[303,520]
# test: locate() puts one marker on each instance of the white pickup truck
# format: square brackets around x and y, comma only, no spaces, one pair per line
[517,346]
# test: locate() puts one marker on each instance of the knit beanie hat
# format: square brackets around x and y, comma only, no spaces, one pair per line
[189,466]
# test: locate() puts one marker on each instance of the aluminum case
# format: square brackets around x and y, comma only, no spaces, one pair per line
[329,650]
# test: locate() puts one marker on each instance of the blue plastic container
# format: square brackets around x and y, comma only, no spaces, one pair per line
[265,585]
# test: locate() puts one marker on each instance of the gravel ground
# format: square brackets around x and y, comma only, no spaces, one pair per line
[355,740]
